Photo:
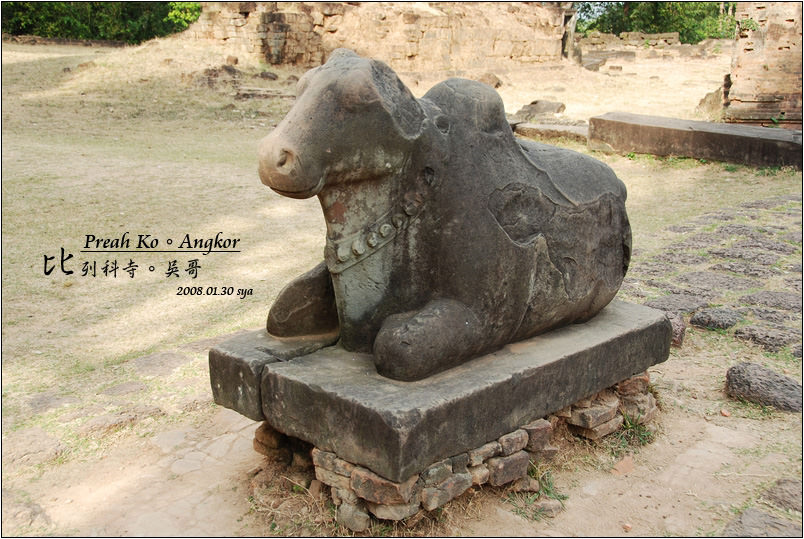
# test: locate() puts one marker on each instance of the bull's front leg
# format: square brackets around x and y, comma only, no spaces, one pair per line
[411,346]
[305,310]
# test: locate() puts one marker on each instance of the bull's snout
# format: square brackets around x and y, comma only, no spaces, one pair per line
[281,169]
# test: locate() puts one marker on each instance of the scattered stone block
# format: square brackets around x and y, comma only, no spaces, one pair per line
[545,454]
[370,486]
[394,512]
[715,318]
[761,385]
[480,474]
[340,495]
[539,433]
[640,408]
[437,473]
[550,130]
[269,437]
[454,486]
[333,479]
[679,329]
[353,517]
[599,431]
[771,339]
[483,453]
[593,416]
[460,463]
[636,384]
[625,132]
[548,506]
[678,303]
[513,442]
[503,470]
[525,484]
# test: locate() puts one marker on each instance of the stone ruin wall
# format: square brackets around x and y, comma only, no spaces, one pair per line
[766,65]
[408,36]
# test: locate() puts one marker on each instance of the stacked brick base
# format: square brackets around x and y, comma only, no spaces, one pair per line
[358,492]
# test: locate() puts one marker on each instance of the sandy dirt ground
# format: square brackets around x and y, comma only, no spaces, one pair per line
[107,420]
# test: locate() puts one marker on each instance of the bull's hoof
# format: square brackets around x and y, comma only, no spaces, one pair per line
[305,307]
[412,346]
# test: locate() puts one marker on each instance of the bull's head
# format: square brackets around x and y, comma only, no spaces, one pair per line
[353,119]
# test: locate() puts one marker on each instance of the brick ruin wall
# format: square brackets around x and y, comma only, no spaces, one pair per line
[766,65]
[408,36]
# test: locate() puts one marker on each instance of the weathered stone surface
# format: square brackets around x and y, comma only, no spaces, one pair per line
[759,384]
[543,130]
[353,517]
[634,385]
[678,303]
[593,416]
[512,442]
[755,523]
[340,495]
[545,454]
[785,494]
[397,429]
[235,367]
[269,437]
[548,506]
[460,463]
[445,491]
[306,306]
[331,462]
[525,484]
[394,512]
[484,452]
[770,339]
[627,132]
[480,474]
[389,177]
[640,408]
[437,473]
[503,470]
[778,300]
[763,258]
[715,318]
[599,431]
[539,433]
[374,488]
[333,479]
[539,109]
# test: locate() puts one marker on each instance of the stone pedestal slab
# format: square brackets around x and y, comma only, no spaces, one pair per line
[624,132]
[335,399]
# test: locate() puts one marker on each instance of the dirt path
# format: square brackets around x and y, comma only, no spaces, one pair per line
[108,428]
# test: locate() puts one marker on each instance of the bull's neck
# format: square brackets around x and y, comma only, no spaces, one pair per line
[350,207]
[364,217]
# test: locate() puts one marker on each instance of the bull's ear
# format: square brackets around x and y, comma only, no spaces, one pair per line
[404,109]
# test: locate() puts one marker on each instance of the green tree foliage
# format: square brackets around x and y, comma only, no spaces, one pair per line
[694,21]
[132,22]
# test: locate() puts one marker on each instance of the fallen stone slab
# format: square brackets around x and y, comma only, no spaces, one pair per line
[761,385]
[337,401]
[623,132]
[715,318]
[544,130]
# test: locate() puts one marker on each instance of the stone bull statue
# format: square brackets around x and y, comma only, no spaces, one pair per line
[447,237]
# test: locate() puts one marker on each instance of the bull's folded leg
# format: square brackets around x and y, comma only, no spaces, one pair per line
[305,308]
[411,346]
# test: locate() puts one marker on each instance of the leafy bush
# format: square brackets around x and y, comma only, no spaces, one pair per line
[694,21]
[132,22]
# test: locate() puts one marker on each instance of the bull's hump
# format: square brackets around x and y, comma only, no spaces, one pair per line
[578,177]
